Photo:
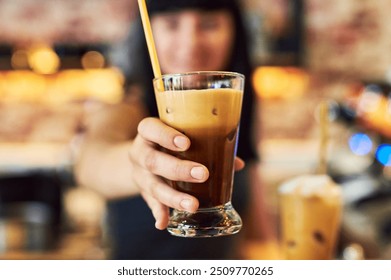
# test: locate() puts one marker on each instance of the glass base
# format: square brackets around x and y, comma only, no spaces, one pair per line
[206,222]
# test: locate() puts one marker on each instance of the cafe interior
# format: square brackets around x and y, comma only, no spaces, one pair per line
[61,61]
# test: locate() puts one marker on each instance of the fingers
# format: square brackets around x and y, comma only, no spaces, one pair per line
[144,152]
[160,196]
[159,211]
[239,164]
[156,188]
[150,165]
[155,131]
[172,168]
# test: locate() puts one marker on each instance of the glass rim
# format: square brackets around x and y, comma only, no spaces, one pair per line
[190,73]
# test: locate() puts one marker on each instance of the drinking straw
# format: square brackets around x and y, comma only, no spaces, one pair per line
[324,135]
[149,38]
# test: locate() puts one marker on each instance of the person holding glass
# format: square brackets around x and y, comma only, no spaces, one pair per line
[120,155]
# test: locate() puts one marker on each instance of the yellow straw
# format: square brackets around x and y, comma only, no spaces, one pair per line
[324,135]
[149,38]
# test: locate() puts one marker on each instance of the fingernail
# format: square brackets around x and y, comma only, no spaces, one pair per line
[158,226]
[186,204]
[181,142]
[197,173]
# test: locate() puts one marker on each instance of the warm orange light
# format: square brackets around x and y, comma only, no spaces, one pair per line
[19,60]
[23,85]
[280,82]
[104,85]
[373,109]
[43,60]
[379,118]
[93,59]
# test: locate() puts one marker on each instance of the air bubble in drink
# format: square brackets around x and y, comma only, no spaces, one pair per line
[169,110]
[231,135]
[291,243]
[319,237]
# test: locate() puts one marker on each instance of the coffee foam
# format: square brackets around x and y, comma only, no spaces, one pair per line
[309,185]
[209,108]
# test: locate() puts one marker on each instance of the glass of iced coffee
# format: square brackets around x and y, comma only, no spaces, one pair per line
[205,106]
[310,214]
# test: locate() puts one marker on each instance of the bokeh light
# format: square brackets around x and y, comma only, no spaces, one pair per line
[93,60]
[19,59]
[383,154]
[360,144]
[43,60]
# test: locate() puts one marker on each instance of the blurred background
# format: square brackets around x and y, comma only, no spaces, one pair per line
[61,60]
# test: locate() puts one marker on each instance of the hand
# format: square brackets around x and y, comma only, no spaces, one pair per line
[151,165]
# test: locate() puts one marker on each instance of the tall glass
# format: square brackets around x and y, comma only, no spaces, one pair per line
[205,106]
[310,210]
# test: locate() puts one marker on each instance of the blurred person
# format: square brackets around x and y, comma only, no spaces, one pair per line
[119,156]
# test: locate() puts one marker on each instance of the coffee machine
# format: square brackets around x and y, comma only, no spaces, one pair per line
[366,115]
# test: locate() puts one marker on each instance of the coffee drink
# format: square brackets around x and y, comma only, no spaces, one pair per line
[213,133]
[310,212]
[209,115]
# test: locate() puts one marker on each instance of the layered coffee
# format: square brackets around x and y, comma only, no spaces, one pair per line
[310,211]
[210,118]
[206,107]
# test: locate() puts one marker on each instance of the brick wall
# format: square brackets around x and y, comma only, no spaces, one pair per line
[349,37]
[354,36]
[23,21]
